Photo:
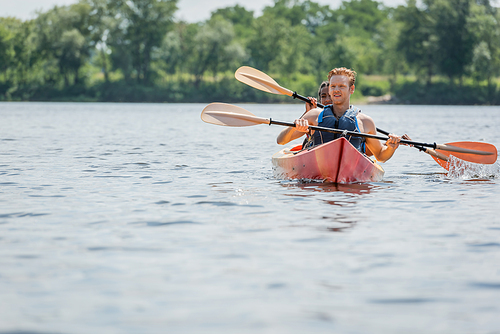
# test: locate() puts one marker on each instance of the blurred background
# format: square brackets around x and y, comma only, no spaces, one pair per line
[426,52]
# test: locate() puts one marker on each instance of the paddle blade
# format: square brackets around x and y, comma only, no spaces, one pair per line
[257,79]
[441,159]
[230,115]
[488,159]
[442,163]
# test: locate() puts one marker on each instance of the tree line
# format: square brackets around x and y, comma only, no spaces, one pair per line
[135,50]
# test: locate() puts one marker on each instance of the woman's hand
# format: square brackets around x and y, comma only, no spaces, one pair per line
[406,137]
[312,104]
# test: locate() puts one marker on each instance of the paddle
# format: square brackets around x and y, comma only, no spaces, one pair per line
[264,82]
[442,157]
[230,115]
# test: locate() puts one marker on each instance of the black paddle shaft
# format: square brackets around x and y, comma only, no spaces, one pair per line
[305,99]
[351,133]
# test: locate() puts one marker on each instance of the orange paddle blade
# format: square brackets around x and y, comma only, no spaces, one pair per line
[442,163]
[476,158]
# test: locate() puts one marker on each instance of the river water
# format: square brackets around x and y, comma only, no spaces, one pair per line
[140,218]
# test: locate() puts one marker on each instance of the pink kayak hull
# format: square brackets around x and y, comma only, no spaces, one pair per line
[336,161]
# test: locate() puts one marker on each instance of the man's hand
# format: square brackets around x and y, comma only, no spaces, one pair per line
[393,141]
[301,125]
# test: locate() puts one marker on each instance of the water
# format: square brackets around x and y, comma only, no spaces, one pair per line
[140,218]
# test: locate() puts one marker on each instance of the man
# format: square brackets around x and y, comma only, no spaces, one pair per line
[341,115]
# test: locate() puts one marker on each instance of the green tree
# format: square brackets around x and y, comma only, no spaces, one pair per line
[327,50]
[484,23]
[62,35]
[215,48]
[7,53]
[17,53]
[437,37]
[393,61]
[70,50]
[290,10]
[306,13]
[278,46]
[236,15]
[361,17]
[364,34]
[418,41]
[241,18]
[170,52]
[325,56]
[455,39]
[142,27]
[101,22]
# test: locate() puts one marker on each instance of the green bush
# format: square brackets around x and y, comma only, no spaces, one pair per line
[374,88]
[227,89]
[443,93]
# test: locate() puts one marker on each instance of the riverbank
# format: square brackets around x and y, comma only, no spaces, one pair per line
[181,89]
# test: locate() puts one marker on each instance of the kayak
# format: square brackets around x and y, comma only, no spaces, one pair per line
[336,161]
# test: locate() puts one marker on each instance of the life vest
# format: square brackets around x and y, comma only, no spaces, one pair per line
[347,121]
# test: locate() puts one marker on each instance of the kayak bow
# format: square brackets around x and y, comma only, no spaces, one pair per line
[336,161]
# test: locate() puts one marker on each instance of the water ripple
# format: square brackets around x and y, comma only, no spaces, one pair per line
[154,224]
[23,214]
[27,332]
[489,244]
[49,196]
[403,301]
[126,249]
[485,285]
[27,256]
[217,203]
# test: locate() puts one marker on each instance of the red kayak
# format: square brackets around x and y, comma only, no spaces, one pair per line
[336,161]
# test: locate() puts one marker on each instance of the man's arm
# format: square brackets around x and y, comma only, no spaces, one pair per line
[289,134]
[382,152]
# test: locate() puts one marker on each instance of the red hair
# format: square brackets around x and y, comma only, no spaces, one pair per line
[343,71]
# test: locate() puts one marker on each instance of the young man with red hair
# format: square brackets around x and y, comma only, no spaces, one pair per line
[341,115]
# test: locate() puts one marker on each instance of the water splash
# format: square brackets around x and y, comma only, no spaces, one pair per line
[460,169]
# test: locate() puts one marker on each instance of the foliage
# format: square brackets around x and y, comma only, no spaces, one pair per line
[485,27]
[215,48]
[375,88]
[135,50]
[142,26]
[442,93]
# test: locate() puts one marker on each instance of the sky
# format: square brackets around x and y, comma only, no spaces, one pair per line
[189,10]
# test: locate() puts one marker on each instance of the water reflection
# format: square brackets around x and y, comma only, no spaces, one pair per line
[340,229]
[353,188]
[343,196]
[333,226]
[356,189]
